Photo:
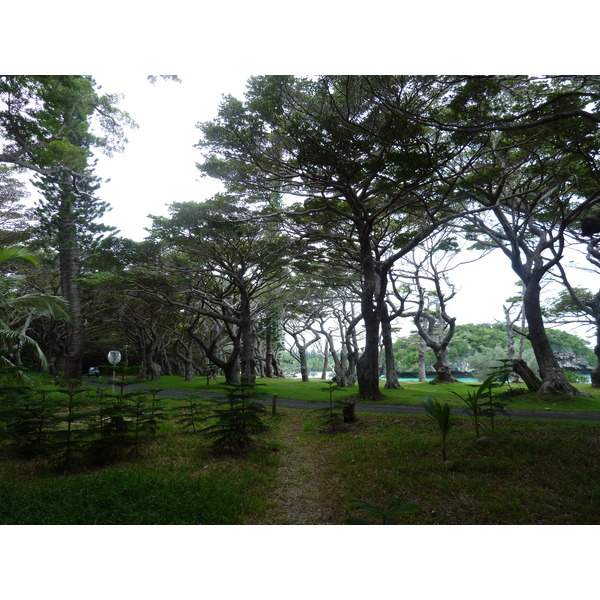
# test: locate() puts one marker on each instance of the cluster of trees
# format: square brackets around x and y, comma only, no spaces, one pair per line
[349,201]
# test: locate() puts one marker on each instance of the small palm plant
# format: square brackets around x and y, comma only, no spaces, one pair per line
[474,401]
[440,413]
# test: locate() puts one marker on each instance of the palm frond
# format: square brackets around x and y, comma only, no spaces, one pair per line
[11,338]
[41,305]
[17,253]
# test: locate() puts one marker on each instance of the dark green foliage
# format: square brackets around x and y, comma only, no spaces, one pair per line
[192,412]
[74,426]
[70,437]
[123,421]
[237,419]
[113,432]
[29,419]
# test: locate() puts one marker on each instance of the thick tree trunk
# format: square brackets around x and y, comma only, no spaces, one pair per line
[69,270]
[188,363]
[153,369]
[553,378]
[367,366]
[231,371]
[438,342]
[443,374]
[302,358]
[303,363]
[277,371]
[595,374]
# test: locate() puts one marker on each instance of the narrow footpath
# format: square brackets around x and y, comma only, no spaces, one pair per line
[302,495]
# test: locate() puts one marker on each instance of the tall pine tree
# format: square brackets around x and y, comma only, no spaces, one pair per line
[67,213]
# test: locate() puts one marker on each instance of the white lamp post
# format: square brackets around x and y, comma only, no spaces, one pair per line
[114,357]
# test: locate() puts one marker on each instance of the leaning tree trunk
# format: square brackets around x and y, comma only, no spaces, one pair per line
[391,376]
[303,363]
[422,365]
[247,361]
[325,360]
[553,378]
[531,380]
[339,360]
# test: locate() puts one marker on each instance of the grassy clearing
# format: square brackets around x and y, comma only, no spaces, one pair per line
[312,391]
[532,472]
[175,480]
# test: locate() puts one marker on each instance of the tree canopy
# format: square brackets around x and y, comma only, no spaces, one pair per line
[336,187]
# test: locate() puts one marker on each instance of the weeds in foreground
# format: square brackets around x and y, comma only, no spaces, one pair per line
[440,413]
[388,514]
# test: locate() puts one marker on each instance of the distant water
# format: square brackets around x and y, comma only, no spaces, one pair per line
[416,379]
[468,379]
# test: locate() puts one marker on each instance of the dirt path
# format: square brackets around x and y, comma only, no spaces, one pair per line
[301,496]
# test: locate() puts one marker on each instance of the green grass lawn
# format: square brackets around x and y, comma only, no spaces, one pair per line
[531,472]
[174,480]
[411,393]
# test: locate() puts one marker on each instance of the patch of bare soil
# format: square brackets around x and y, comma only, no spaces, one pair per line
[302,495]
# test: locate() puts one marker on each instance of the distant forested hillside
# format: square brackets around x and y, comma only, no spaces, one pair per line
[478,346]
